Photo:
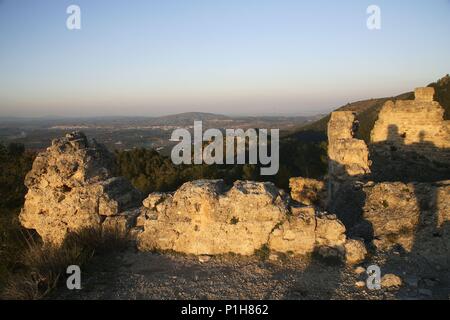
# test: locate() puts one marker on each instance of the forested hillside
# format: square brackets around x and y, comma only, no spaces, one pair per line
[150,171]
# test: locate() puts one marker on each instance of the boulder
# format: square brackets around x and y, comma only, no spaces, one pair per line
[355,251]
[391,281]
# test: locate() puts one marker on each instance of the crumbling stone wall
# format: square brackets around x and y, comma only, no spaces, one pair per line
[348,157]
[411,141]
[72,187]
[208,217]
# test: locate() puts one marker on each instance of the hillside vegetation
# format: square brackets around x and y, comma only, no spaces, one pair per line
[15,162]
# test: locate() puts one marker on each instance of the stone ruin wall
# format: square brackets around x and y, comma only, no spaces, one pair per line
[414,126]
[348,157]
[407,133]
[409,142]
[72,188]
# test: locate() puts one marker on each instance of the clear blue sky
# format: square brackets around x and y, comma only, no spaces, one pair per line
[156,57]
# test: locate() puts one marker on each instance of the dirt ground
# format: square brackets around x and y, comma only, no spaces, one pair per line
[137,275]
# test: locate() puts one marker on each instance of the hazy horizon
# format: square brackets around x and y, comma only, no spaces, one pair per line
[154,58]
[63,117]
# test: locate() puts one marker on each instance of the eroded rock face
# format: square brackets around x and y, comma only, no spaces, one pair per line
[203,218]
[348,156]
[71,186]
[415,216]
[297,234]
[308,191]
[207,217]
[411,140]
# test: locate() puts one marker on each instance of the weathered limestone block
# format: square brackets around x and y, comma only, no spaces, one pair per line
[414,215]
[202,217]
[355,251]
[329,231]
[71,187]
[393,212]
[208,218]
[308,191]
[122,222]
[153,200]
[348,157]
[297,234]
[342,125]
[348,163]
[71,162]
[424,94]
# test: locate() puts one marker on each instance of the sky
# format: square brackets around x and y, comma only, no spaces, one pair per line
[236,57]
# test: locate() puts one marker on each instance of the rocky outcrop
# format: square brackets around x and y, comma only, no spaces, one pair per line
[71,186]
[208,217]
[308,191]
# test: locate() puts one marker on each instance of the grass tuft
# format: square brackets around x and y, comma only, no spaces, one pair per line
[43,265]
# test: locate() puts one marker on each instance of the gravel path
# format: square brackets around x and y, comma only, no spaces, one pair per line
[136,275]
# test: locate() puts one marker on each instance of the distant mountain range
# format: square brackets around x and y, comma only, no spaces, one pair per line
[180,119]
[135,129]
[134,132]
